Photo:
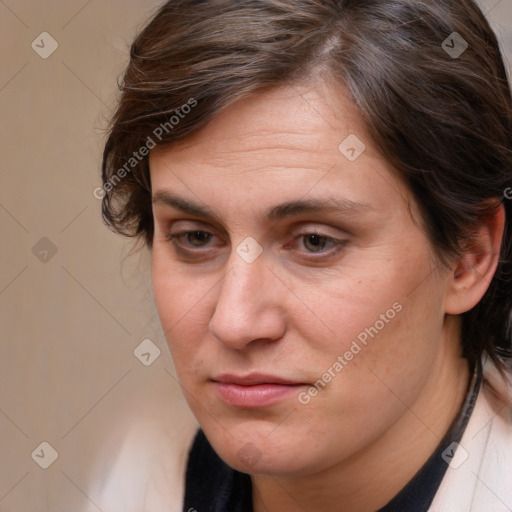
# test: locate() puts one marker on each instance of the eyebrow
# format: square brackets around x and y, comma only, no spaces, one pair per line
[276,213]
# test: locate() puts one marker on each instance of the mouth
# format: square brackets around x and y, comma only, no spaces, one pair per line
[255,390]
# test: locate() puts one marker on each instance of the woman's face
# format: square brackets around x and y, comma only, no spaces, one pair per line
[295,286]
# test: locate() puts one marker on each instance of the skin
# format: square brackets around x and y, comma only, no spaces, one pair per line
[293,311]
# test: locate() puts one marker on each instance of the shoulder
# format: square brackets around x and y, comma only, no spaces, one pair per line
[479,475]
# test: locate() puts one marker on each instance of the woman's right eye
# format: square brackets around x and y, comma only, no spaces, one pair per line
[195,239]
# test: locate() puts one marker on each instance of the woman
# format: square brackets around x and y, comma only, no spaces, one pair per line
[321,188]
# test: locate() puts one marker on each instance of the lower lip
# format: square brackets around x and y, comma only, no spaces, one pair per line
[260,395]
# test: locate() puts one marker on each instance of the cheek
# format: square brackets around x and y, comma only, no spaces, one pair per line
[379,377]
[380,327]
[181,303]
[368,300]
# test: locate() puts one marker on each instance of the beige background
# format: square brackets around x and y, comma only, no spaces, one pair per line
[70,321]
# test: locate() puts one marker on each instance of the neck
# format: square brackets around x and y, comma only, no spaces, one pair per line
[372,477]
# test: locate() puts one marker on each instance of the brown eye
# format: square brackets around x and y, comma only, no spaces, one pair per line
[189,241]
[198,238]
[315,243]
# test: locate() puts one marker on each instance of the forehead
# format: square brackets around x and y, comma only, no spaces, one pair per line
[297,118]
[280,144]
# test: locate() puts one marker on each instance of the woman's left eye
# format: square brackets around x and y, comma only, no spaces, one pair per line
[316,243]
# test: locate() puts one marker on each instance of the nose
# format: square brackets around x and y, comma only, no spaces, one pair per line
[248,306]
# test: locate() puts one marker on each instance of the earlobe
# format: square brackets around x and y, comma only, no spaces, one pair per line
[474,270]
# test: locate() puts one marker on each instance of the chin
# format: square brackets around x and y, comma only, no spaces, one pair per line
[250,449]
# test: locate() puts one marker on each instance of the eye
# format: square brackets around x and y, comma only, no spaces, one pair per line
[191,239]
[316,243]
[197,238]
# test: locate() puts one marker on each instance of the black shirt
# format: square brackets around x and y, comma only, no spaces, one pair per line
[213,486]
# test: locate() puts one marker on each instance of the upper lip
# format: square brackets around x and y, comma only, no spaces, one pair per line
[253,379]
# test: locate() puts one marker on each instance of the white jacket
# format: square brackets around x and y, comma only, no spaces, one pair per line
[479,478]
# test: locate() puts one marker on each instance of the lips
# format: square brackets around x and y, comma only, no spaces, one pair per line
[255,390]
[254,379]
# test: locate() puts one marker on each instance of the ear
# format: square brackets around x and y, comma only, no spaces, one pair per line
[473,271]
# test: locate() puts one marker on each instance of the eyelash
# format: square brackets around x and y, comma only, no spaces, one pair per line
[336,243]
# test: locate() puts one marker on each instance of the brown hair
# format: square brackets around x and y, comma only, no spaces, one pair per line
[443,119]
